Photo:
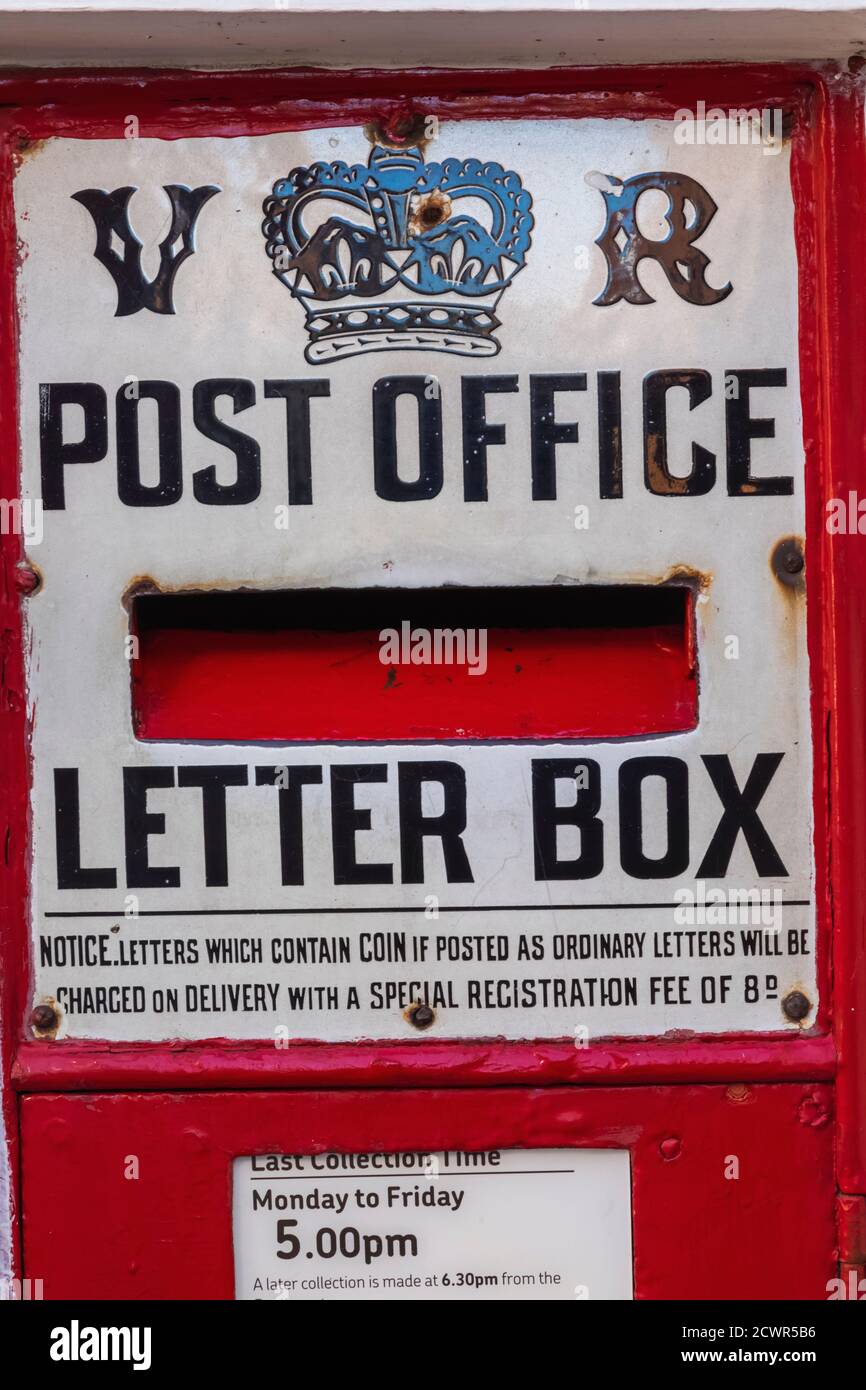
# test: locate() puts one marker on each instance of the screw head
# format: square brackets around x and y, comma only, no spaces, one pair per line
[43,1018]
[671,1148]
[796,1006]
[420,1015]
[788,561]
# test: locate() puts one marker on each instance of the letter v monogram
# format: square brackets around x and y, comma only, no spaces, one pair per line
[110,212]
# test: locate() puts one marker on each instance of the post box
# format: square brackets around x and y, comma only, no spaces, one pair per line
[432,683]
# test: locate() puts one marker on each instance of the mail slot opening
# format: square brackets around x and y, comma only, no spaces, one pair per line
[408,665]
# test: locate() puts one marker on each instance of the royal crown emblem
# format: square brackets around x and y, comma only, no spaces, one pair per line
[422,262]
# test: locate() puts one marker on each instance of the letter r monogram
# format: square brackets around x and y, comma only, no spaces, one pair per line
[625,246]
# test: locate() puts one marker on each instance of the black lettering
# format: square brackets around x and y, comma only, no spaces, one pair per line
[609,434]
[741,429]
[67,825]
[740,814]
[547,431]
[54,453]
[389,485]
[248,478]
[140,824]
[291,813]
[169,486]
[583,813]
[213,781]
[657,476]
[478,435]
[297,396]
[347,819]
[632,775]
[449,826]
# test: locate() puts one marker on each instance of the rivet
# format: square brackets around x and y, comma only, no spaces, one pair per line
[670,1148]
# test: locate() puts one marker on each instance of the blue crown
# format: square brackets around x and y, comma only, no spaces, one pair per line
[415,272]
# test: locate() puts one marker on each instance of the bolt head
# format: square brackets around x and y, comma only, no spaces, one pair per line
[421,1016]
[788,561]
[399,129]
[671,1148]
[27,579]
[43,1018]
[796,1006]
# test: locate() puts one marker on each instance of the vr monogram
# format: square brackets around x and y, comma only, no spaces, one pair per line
[424,258]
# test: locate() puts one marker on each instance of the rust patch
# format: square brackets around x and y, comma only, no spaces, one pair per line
[660,481]
[27,148]
[420,1015]
[141,584]
[428,210]
[679,575]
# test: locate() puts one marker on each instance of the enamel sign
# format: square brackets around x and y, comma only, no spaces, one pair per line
[519,402]
[512,1224]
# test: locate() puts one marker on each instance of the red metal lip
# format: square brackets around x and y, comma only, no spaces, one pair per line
[220,1063]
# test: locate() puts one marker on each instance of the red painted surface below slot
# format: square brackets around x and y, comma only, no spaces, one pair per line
[322,685]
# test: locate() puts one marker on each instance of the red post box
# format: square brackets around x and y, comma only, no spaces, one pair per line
[433,787]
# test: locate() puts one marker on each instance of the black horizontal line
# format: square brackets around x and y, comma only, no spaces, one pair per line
[359,911]
[421,1173]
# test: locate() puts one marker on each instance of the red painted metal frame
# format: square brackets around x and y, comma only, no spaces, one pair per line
[829,162]
[835,424]
[90,1232]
